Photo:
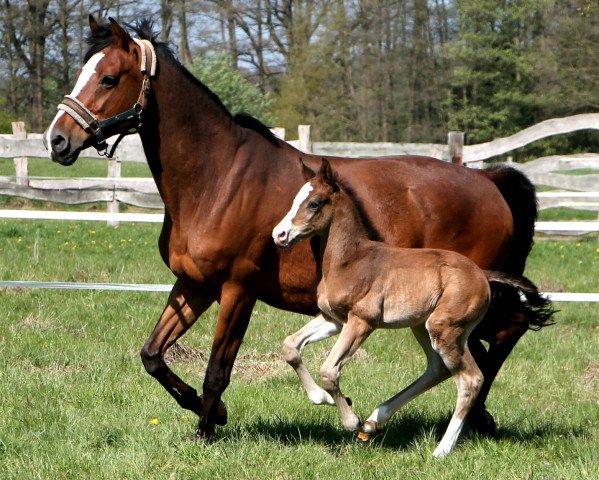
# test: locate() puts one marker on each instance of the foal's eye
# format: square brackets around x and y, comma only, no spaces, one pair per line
[313,204]
[109,81]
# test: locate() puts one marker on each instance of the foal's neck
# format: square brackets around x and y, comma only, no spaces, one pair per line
[346,234]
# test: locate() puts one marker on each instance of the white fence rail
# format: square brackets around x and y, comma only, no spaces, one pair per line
[151,287]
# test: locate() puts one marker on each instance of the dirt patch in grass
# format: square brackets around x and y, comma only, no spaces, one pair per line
[591,374]
[250,366]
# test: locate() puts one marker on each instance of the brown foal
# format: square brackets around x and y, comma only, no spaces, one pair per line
[364,285]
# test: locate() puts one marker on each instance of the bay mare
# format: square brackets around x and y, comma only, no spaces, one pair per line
[226,180]
[364,285]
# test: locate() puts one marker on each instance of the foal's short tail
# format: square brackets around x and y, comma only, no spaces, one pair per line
[539,309]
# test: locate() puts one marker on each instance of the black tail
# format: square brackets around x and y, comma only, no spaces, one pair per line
[519,193]
[537,309]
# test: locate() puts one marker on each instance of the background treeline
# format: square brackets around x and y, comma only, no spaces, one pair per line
[356,70]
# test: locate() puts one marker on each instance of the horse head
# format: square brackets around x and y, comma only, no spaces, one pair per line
[311,211]
[108,97]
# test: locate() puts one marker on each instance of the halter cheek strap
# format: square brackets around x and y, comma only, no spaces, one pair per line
[89,122]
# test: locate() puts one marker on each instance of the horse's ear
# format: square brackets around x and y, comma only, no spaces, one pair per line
[122,37]
[307,173]
[93,25]
[327,174]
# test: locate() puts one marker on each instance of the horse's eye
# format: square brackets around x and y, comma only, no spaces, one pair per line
[109,81]
[313,205]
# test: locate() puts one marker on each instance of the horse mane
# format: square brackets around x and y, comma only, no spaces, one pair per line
[144,29]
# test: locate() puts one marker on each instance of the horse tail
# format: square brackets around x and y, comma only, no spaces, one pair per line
[537,309]
[520,195]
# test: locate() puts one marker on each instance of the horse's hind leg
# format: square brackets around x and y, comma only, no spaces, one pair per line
[451,345]
[182,310]
[435,373]
[500,347]
[315,330]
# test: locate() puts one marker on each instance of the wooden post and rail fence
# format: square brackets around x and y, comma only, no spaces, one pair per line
[583,190]
[574,191]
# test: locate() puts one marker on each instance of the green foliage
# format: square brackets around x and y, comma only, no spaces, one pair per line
[6,118]
[237,93]
[491,84]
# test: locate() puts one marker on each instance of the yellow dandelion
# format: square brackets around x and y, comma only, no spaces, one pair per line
[154,421]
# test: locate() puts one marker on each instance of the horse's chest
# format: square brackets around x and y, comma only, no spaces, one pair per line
[330,304]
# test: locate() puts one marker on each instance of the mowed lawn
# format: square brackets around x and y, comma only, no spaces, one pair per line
[76,402]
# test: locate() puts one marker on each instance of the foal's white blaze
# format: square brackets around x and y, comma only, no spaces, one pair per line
[88,70]
[285,226]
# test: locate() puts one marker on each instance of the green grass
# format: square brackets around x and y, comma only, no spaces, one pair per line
[578,171]
[84,167]
[77,403]
[568,214]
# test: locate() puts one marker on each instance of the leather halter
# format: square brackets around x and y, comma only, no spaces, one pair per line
[90,123]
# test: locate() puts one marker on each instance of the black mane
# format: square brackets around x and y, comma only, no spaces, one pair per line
[144,29]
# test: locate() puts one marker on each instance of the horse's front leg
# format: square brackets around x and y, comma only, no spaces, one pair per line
[236,306]
[353,334]
[317,329]
[184,307]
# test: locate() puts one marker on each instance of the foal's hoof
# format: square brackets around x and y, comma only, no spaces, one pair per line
[368,429]
[482,423]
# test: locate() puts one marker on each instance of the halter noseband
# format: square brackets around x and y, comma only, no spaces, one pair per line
[89,122]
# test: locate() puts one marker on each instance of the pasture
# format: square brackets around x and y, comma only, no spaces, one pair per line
[77,403]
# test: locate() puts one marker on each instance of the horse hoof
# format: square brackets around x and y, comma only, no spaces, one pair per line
[221,414]
[482,423]
[203,435]
[365,437]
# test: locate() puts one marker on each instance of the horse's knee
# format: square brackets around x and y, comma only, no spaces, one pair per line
[152,359]
[290,351]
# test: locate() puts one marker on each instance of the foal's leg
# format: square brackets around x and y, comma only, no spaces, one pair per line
[451,344]
[320,328]
[435,373]
[490,363]
[182,310]
[353,334]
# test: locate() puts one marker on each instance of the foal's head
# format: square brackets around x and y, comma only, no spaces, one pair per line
[109,83]
[312,210]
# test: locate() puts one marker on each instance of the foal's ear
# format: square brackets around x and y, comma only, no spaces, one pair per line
[307,173]
[327,174]
[122,37]
[93,25]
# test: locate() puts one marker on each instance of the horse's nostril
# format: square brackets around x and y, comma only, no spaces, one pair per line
[60,145]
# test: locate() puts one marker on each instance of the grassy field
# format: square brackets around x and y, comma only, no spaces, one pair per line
[77,403]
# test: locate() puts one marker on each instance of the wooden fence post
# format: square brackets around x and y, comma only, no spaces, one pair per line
[114,171]
[304,143]
[21,163]
[455,141]
[279,132]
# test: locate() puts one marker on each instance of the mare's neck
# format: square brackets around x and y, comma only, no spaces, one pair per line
[186,134]
[346,236]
